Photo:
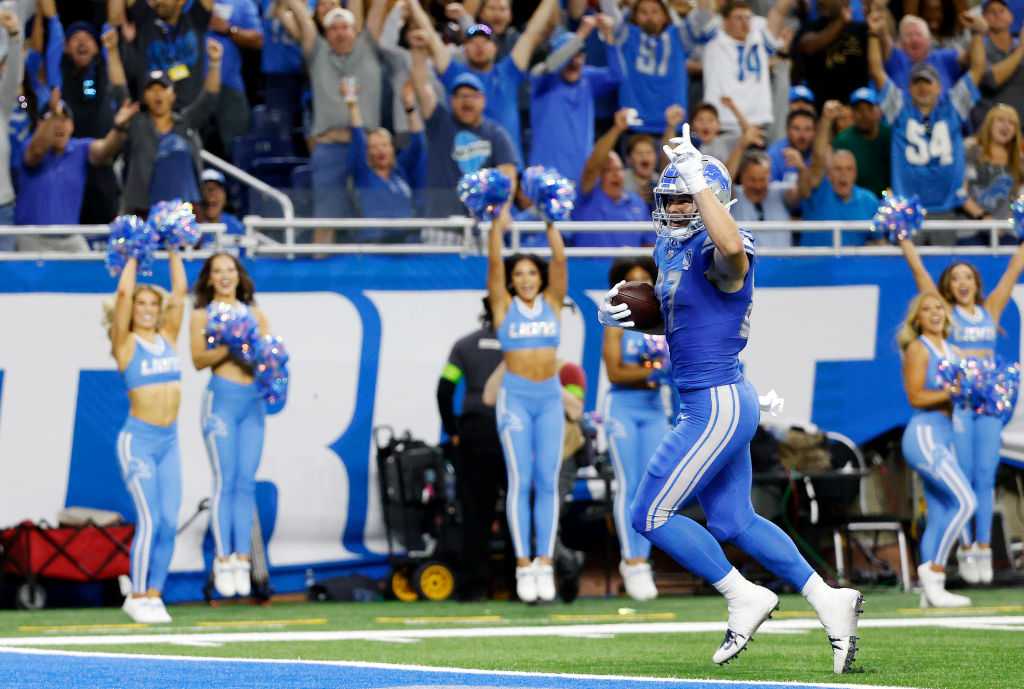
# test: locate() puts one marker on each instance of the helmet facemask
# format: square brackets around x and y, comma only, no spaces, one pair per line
[670,186]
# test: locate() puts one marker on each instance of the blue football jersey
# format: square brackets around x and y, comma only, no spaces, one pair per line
[706,327]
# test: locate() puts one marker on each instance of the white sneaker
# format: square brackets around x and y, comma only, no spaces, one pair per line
[526,584]
[746,614]
[933,590]
[544,576]
[967,564]
[158,613]
[639,580]
[138,609]
[224,577]
[242,570]
[983,558]
[839,614]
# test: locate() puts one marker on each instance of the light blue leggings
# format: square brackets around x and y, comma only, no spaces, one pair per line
[707,456]
[531,422]
[232,421]
[151,469]
[928,448]
[635,423]
[977,440]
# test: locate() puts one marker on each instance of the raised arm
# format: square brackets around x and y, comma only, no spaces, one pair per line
[303,21]
[115,68]
[997,299]
[13,69]
[176,303]
[375,16]
[425,94]
[750,136]
[103,151]
[537,28]
[599,154]
[558,273]
[1004,69]
[810,177]
[419,16]
[497,287]
[976,50]
[214,54]
[124,304]
[117,11]
[921,277]
[777,15]
[247,32]
[813,42]
[876,68]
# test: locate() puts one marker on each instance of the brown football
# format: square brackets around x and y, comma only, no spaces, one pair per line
[645,311]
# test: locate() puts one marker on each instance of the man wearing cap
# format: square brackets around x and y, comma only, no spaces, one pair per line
[564,84]
[500,79]
[1004,80]
[51,180]
[163,161]
[169,36]
[830,52]
[737,62]
[828,186]
[460,139]
[347,50]
[235,24]
[758,198]
[869,139]
[214,199]
[927,139]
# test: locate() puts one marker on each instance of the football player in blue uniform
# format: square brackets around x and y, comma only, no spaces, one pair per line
[928,444]
[143,323]
[526,295]
[976,437]
[232,421]
[705,287]
[635,421]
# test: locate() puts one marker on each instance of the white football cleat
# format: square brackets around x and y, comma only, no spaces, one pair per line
[224,577]
[745,616]
[138,609]
[158,613]
[243,570]
[639,580]
[933,590]
[967,564]
[839,615]
[983,558]
[526,584]
[544,576]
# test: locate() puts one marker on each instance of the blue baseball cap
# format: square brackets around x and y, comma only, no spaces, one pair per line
[801,92]
[865,94]
[468,79]
[212,175]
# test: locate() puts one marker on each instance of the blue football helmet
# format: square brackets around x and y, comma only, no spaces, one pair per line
[671,185]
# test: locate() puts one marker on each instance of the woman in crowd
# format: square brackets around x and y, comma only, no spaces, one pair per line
[635,422]
[232,421]
[526,295]
[928,444]
[976,437]
[995,172]
[143,323]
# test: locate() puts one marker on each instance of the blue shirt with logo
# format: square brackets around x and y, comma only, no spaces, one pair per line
[501,87]
[244,16]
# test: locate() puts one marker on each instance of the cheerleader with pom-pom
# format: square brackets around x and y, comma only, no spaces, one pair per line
[526,294]
[143,322]
[928,443]
[975,320]
[225,331]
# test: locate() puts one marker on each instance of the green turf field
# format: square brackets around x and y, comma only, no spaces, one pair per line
[969,650]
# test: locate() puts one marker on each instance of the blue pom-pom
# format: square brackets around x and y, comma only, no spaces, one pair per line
[553,195]
[898,216]
[1018,215]
[226,325]
[174,222]
[484,191]
[272,373]
[130,237]
[654,355]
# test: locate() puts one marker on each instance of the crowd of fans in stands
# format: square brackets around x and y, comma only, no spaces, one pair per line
[375,108]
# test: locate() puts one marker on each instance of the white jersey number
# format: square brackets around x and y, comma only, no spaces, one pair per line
[647,55]
[921,149]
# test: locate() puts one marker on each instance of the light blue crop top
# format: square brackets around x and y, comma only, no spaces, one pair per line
[973,331]
[526,328]
[152,363]
[935,357]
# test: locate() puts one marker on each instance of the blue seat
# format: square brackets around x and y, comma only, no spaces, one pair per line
[302,190]
[252,146]
[277,172]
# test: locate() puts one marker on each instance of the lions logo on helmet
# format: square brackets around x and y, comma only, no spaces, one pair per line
[671,185]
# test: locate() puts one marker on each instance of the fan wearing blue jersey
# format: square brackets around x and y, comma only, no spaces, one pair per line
[927,138]
[975,321]
[705,286]
[143,323]
[928,444]
[232,420]
[635,421]
[526,295]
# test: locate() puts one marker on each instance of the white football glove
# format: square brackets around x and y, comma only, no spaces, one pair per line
[686,159]
[771,403]
[614,314]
